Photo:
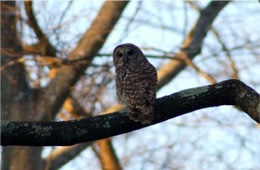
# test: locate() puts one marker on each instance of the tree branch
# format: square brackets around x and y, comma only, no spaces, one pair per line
[63,155]
[107,155]
[229,92]
[222,43]
[193,43]
[51,98]
[44,47]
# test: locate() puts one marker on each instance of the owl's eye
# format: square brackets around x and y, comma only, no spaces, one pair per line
[119,54]
[130,52]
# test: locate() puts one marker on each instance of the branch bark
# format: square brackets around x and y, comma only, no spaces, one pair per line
[229,92]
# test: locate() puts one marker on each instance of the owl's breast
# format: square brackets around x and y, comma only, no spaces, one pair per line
[121,86]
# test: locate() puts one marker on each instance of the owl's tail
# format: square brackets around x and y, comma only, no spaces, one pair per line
[144,114]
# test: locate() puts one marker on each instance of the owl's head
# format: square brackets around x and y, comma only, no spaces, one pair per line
[127,54]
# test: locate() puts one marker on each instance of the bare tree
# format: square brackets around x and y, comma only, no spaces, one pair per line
[46,80]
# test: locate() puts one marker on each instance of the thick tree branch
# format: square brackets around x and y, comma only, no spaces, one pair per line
[52,98]
[59,157]
[230,92]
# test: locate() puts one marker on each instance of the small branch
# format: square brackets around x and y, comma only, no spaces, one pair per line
[34,49]
[107,155]
[46,47]
[74,109]
[61,156]
[130,21]
[228,53]
[230,92]
[192,45]
[202,73]
[222,43]
[32,20]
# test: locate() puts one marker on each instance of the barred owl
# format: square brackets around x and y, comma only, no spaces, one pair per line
[136,81]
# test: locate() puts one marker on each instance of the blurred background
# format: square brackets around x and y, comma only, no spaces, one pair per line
[39,38]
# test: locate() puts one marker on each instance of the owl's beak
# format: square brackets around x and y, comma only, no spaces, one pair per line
[125,56]
[125,59]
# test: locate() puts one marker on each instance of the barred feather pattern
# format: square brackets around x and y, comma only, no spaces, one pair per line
[136,81]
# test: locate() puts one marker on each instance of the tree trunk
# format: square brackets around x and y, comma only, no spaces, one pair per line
[16,95]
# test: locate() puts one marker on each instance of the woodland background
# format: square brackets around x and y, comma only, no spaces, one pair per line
[40,40]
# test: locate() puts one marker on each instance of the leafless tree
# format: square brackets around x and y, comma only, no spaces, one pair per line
[49,73]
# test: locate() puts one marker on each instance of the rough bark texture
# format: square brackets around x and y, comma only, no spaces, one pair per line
[230,92]
[15,92]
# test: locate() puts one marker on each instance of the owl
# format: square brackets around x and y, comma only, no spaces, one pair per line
[136,81]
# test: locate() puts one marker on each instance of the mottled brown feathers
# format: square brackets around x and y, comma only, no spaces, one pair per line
[136,81]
